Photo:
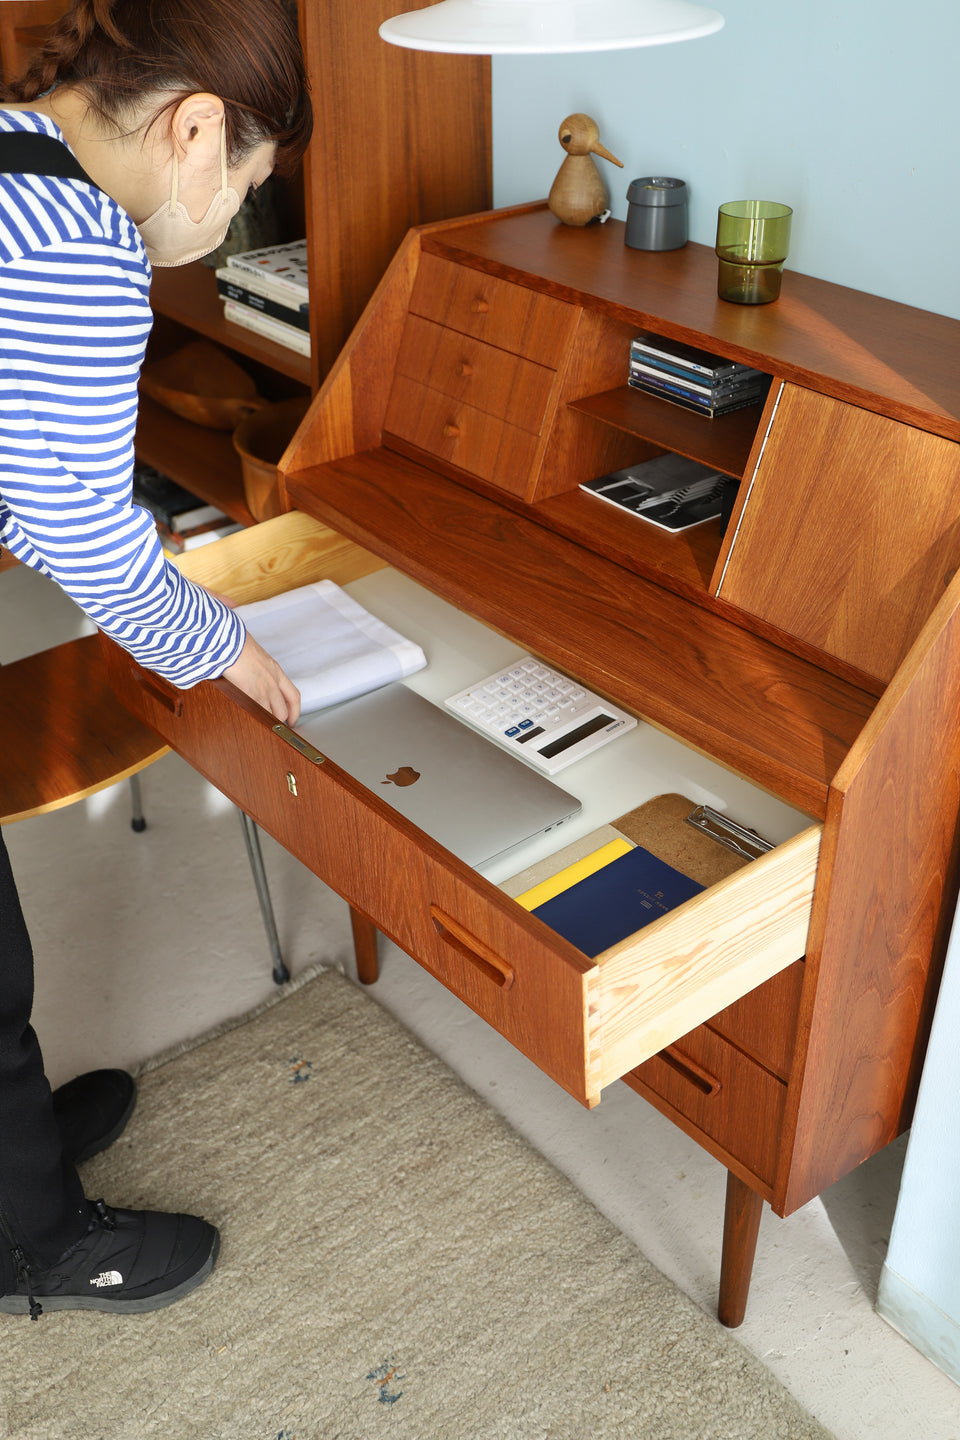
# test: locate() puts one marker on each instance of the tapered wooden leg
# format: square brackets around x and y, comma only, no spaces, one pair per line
[741,1226]
[365,947]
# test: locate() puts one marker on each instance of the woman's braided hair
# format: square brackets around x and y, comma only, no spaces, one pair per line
[245,51]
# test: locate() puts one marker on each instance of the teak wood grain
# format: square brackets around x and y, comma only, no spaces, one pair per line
[401,138]
[880,922]
[623,1005]
[506,386]
[850,532]
[708,1087]
[515,319]
[763,1024]
[453,430]
[757,918]
[887,357]
[724,443]
[63,733]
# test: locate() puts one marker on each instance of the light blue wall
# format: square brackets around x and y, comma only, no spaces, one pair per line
[844,109]
[920,1283]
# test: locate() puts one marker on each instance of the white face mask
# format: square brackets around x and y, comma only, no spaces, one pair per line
[172,238]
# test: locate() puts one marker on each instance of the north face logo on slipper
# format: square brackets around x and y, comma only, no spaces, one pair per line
[107,1277]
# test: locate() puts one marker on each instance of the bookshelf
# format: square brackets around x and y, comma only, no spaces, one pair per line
[409,144]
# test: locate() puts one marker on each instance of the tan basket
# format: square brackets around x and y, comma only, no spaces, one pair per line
[260,440]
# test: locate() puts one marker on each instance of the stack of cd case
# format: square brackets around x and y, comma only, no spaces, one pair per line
[693,378]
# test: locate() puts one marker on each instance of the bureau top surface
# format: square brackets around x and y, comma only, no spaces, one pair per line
[888,357]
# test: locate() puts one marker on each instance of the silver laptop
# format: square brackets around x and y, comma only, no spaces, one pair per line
[459,787]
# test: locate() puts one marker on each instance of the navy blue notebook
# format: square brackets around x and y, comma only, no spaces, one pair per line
[612,903]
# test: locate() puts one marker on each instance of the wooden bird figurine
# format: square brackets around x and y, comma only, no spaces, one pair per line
[578,194]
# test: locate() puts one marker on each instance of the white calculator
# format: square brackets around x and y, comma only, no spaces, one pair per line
[540,714]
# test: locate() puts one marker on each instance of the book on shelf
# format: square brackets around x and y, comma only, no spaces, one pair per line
[710,410]
[281,268]
[276,330]
[650,365]
[693,378]
[669,491]
[169,503]
[232,286]
[175,543]
[674,352]
[180,516]
[199,518]
[616,900]
[750,384]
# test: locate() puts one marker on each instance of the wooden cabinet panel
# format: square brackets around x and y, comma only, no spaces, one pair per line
[22,31]
[707,1083]
[500,384]
[454,431]
[851,531]
[764,1023]
[506,315]
[401,138]
[671,975]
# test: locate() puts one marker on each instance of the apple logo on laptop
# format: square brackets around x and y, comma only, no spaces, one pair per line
[406,775]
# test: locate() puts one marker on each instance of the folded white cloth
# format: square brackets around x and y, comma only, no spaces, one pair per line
[331,648]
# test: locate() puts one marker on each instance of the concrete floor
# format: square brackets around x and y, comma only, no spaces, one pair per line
[144,941]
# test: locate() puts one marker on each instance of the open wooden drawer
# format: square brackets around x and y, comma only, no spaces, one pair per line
[584,1022]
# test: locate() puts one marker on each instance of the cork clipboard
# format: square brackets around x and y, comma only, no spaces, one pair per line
[660,826]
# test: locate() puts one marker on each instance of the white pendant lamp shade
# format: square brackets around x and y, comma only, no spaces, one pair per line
[548,27]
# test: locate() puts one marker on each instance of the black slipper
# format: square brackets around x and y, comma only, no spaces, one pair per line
[92,1110]
[128,1262]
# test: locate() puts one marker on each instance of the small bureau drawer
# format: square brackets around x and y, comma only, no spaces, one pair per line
[764,1023]
[497,311]
[454,431]
[464,368]
[721,1093]
[585,1022]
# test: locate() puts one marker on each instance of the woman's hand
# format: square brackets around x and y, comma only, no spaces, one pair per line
[258,675]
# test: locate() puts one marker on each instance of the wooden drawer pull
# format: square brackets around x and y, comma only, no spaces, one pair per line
[706,1083]
[480,307]
[169,697]
[480,955]
[451,432]
[466,369]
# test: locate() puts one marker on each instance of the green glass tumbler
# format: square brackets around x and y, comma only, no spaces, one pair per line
[753,237]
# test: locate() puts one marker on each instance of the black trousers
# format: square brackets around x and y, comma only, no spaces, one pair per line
[42,1207]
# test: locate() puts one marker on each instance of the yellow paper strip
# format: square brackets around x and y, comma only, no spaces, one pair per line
[589,865]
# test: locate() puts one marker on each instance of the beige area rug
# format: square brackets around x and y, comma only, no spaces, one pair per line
[396,1262]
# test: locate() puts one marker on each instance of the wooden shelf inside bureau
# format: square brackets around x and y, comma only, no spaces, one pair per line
[724,443]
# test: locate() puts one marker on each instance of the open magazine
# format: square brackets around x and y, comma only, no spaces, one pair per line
[670,491]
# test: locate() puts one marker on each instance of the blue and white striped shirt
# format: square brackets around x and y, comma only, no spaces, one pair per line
[74,321]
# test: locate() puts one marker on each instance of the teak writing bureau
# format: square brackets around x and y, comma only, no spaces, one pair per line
[780,1017]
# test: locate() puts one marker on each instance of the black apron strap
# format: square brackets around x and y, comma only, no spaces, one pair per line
[23,152]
